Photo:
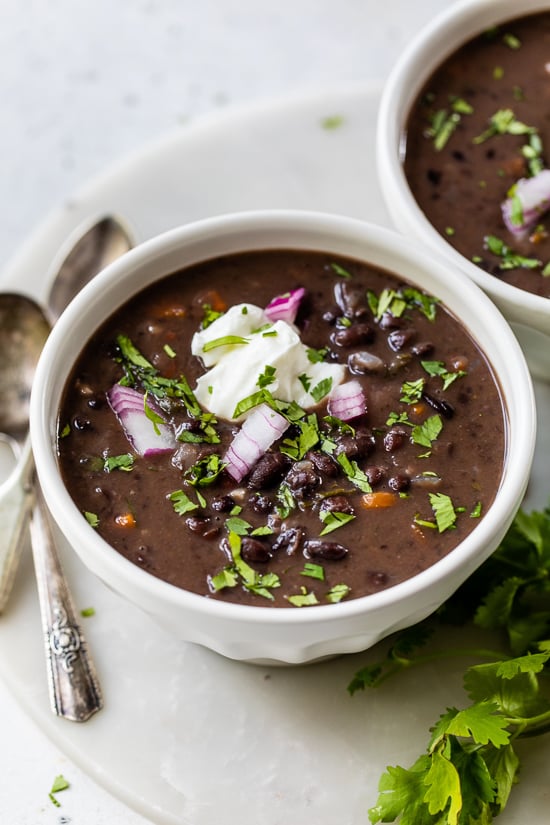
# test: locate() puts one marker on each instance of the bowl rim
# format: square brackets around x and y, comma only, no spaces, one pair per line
[43,416]
[446,32]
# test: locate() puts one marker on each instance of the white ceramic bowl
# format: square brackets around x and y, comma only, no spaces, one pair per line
[283,635]
[529,314]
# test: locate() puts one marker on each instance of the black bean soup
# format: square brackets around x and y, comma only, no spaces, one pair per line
[392,464]
[478,149]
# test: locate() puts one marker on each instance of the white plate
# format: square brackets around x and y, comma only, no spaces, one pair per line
[187,736]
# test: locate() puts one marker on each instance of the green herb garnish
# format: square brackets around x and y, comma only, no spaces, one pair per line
[313,571]
[91,518]
[123,462]
[225,341]
[266,377]
[303,599]
[333,520]
[59,784]
[182,503]
[509,259]
[471,763]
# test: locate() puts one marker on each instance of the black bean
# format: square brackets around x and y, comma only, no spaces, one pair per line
[377,579]
[362,363]
[96,402]
[389,321]
[351,301]
[202,526]
[375,474]
[355,446]
[324,463]
[261,504]
[302,478]
[80,423]
[353,336]
[399,362]
[394,439]
[254,550]
[336,504]
[422,348]
[268,471]
[401,338]
[399,483]
[440,405]
[328,550]
[289,540]
[222,504]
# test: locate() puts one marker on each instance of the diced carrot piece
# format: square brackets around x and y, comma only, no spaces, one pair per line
[214,300]
[419,410]
[372,501]
[125,520]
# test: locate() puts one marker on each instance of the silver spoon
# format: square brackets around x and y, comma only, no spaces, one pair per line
[73,685]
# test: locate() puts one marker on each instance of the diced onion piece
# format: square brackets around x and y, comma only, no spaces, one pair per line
[285,307]
[347,401]
[259,431]
[533,195]
[146,437]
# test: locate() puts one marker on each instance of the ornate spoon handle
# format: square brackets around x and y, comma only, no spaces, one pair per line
[73,684]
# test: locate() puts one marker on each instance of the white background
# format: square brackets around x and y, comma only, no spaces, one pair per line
[84,82]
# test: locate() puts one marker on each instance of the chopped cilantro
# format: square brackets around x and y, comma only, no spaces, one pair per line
[87,612]
[204,471]
[123,462]
[169,351]
[91,518]
[303,599]
[411,391]
[427,432]
[307,438]
[238,526]
[313,571]
[444,511]
[442,126]
[305,381]
[260,584]
[509,259]
[59,784]
[225,341]
[438,369]
[333,520]
[320,390]
[225,578]
[210,315]
[354,473]
[182,503]
[316,356]
[511,40]
[339,270]
[338,592]
[266,377]
[503,122]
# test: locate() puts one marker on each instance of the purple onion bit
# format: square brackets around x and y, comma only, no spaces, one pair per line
[527,203]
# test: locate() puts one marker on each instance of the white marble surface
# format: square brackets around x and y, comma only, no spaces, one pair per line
[82,83]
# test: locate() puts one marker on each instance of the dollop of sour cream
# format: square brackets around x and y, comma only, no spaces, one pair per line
[259,350]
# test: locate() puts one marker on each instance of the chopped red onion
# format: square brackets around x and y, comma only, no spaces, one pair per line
[145,437]
[533,195]
[347,401]
[285,307]
[259,431]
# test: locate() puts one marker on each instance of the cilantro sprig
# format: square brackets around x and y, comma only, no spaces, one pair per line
[471,764]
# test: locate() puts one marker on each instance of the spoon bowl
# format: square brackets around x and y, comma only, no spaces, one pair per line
[23,332]
[24,328]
